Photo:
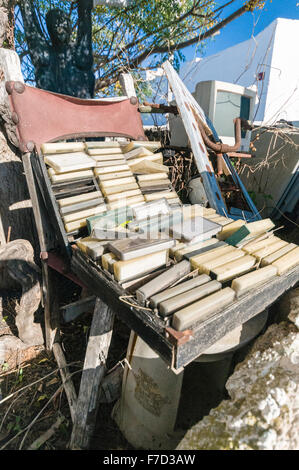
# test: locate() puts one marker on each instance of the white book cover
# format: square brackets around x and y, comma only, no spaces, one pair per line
[195,229]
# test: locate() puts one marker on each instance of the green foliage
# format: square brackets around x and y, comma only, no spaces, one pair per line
[5,367]
[252,195]
[16,425]
[20,375]
[128,39]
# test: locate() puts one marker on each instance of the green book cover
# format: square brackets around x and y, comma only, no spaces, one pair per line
[238,236]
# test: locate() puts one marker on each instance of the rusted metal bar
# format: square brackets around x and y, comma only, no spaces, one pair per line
[219,147]
[158,108]
[57,263]
[178,338]
[239,155]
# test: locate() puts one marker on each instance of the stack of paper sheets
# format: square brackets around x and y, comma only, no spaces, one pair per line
[68,163]
[116,180]
[214,259]
[195,229]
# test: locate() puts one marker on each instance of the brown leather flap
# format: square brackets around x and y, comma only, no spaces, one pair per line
[42,116]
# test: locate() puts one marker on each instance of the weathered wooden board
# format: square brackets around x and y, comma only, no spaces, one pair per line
[71,311]
[45,233]
[190,111]
[92,375]
[47,241]
[66,378]
[40,172]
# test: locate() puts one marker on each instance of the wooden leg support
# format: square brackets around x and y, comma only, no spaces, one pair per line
[92,375]
[66,379]
[51,307]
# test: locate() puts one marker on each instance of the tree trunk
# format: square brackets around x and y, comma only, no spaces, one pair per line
[15,204]
[16,217]
[7,23]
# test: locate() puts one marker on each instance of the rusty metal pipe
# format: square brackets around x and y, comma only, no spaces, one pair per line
[219,147]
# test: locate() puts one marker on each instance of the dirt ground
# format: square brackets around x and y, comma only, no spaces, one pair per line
[33,393]
[37,398]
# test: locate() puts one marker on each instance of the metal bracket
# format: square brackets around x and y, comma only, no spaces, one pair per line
[177,338]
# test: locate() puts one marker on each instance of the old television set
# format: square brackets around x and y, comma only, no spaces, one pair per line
[221,102]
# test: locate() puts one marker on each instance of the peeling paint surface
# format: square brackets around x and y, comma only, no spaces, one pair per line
[148,394]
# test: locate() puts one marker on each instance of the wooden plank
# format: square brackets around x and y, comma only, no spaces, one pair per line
[146,167]
[127,84]
[69,177]
[72,311]
[191,112]
[71,201]
[53,148]
[69,162]
[165,280]
[203,308]
[83,214]
[51,311]
[41,174]
[92,375]
[66,379]
[208,332]
[68,186]
[117,175]
[81,206]
[46,241]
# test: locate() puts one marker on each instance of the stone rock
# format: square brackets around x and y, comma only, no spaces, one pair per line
[263,410]
[13,352]
[288,307]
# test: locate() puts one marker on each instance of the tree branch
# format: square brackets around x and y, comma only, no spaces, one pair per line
[210,32]
[152,33]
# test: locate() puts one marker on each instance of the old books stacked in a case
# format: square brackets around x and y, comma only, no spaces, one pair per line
[214,258]
[182,300]
[271,250]
[132,254]
[151,174]
[258,240]
[156,186]
[115,177]
[274,257]
[112,224]
[219,219]
[129,259]
[140,156]
[72,179]
[206,274]
[104,228]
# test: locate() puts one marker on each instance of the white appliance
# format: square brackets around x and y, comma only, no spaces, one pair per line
[221,102]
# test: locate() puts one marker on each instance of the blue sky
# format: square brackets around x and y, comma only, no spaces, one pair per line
[241,29]
[237,31]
